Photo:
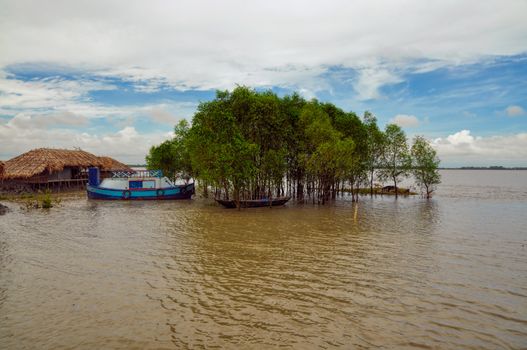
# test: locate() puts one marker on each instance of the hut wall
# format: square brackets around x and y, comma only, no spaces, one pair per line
[65,174]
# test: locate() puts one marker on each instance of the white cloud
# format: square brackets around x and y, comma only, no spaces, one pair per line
[45,93]
[370,80]
[54,101]
[127,144]
[460,138]
[58,119]
[59,102]
[465,149]
[307,93]
[211,44]
[162,116]
[405,120]
[168,113]
[514,111]
[54,112]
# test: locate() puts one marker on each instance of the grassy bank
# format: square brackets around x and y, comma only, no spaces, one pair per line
[28,196]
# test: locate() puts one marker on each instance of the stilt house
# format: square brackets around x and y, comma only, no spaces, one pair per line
[1,170]
[53,168]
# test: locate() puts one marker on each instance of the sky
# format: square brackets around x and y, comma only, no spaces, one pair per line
[114,77]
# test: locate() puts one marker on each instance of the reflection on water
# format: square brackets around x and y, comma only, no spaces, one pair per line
[449,273]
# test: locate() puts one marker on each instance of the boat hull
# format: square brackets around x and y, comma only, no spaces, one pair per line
[254,203]
[171,193]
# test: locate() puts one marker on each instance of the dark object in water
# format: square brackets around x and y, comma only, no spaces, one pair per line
[391,189]
[3,209]
[254,203]
[388,189]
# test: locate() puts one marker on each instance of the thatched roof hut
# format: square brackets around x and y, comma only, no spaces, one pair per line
[40,160]
[1,169]
[110,164]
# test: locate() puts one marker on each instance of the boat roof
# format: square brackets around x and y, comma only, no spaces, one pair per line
[137,174]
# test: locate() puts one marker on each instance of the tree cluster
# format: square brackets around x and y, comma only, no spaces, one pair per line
[246,144]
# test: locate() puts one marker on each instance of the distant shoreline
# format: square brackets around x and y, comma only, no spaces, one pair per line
[458,168]
[485,168]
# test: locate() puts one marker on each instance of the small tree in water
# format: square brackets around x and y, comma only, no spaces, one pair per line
[425,164]
[375,146]
[172,156]
[396,158]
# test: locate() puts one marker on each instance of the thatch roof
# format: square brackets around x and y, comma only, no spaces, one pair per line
[38,160]
[1,169]
[110,164]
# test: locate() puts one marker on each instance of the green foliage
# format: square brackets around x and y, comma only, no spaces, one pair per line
[375,143]
[46,200]
[42,200]
[396,162]
[172,156]
[219,153]
[162,157]
[425,165]
[333,160]
[249,144]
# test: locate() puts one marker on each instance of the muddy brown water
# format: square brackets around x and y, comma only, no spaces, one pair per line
[406,273]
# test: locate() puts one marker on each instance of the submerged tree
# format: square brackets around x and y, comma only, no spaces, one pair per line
[163,157]
[375,147]
[219,153]
[425,165]
[172,156]
[246,144]
[396,162]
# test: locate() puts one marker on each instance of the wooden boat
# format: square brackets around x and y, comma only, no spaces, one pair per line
[143,184]
[254,203]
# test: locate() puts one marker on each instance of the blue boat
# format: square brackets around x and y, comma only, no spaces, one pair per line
[142,184]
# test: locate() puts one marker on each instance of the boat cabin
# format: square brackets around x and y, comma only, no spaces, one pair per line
[136,180]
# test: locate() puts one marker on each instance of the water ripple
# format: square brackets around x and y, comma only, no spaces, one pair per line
[409,273]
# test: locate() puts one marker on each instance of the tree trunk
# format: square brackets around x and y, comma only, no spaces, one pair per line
[237,198]
[300,190]
[205,190]
[226,191]
[371,182]
[395,185]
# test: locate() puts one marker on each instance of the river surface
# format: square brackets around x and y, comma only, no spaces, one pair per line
[447,273]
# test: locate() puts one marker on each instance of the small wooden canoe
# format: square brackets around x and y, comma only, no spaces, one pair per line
[254,203]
